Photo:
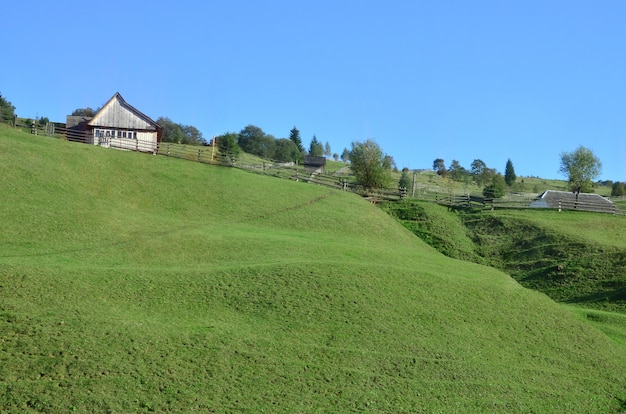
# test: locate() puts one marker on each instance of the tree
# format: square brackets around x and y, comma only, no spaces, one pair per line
[456,171]
[618,189]
[440,167]
[335,156]
[367,163]
[88,112]
[191,135]
[497,187]
[327,150]
[178,133]
[405,180]
[294,135]
[580,167]
[253,140]
[229,149]
[170,131]
[316,149]
[7,110]
[285,150]
[345,155]
[509,174]
[389,163]
[477,170]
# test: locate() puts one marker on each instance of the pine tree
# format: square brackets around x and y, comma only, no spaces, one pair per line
[509,174]
[294,135]
[316,149]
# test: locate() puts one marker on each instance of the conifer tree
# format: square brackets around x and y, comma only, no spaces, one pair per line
[294,135]
[509,174]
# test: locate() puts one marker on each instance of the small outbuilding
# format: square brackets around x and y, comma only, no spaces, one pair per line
[565,200]
[118,125]
[314,163]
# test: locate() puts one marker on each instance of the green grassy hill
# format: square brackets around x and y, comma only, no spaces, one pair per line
[139,283]
[573,257]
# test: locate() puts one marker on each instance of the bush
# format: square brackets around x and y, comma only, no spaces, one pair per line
[497,188]
[618,189]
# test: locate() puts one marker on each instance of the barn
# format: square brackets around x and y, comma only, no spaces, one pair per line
[118,125]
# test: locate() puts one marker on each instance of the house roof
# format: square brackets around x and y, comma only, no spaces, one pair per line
[566,199]
[117,113]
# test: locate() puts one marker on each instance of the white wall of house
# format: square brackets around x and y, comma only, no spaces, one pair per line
[145,141]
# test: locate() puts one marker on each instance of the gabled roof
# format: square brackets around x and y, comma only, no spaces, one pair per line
[567,199]
[117,113]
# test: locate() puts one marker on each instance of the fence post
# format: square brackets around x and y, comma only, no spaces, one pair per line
[198,155]
[559,205]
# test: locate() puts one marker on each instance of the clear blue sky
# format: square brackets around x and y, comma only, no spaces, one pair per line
[518,79]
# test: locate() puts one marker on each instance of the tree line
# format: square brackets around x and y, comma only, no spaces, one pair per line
[494,183]
[370,165]
[254,140]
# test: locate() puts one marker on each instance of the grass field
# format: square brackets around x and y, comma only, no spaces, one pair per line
[139,283]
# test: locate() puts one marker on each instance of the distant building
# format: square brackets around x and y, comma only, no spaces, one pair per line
[314,163]
[566,200]
[116,125]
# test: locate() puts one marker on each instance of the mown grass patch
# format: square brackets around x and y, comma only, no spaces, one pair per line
[134,283]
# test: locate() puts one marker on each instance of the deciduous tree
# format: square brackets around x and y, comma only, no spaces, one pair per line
[229,149]
[456,171]
[345,155]
[439,167]
[250,140]
[88,112]
[327,150]
[405,180]
[170,130]
[367,162]
[580,167]
[497,187]
[285,150]
[7,110]
[477,170]
[618,189]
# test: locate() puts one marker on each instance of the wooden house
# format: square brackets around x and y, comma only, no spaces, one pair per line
[118,125]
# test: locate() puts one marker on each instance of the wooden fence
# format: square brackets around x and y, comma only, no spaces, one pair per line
[339,181]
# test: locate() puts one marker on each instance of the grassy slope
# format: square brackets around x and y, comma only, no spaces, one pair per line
[573,257]
[131,282]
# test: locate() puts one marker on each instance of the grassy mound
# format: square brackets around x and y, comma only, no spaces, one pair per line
[573,257]
[135,283]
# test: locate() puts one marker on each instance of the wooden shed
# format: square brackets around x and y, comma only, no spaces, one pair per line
[120,125]
[315,163]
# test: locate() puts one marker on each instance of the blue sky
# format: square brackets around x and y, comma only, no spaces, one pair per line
[492,80]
